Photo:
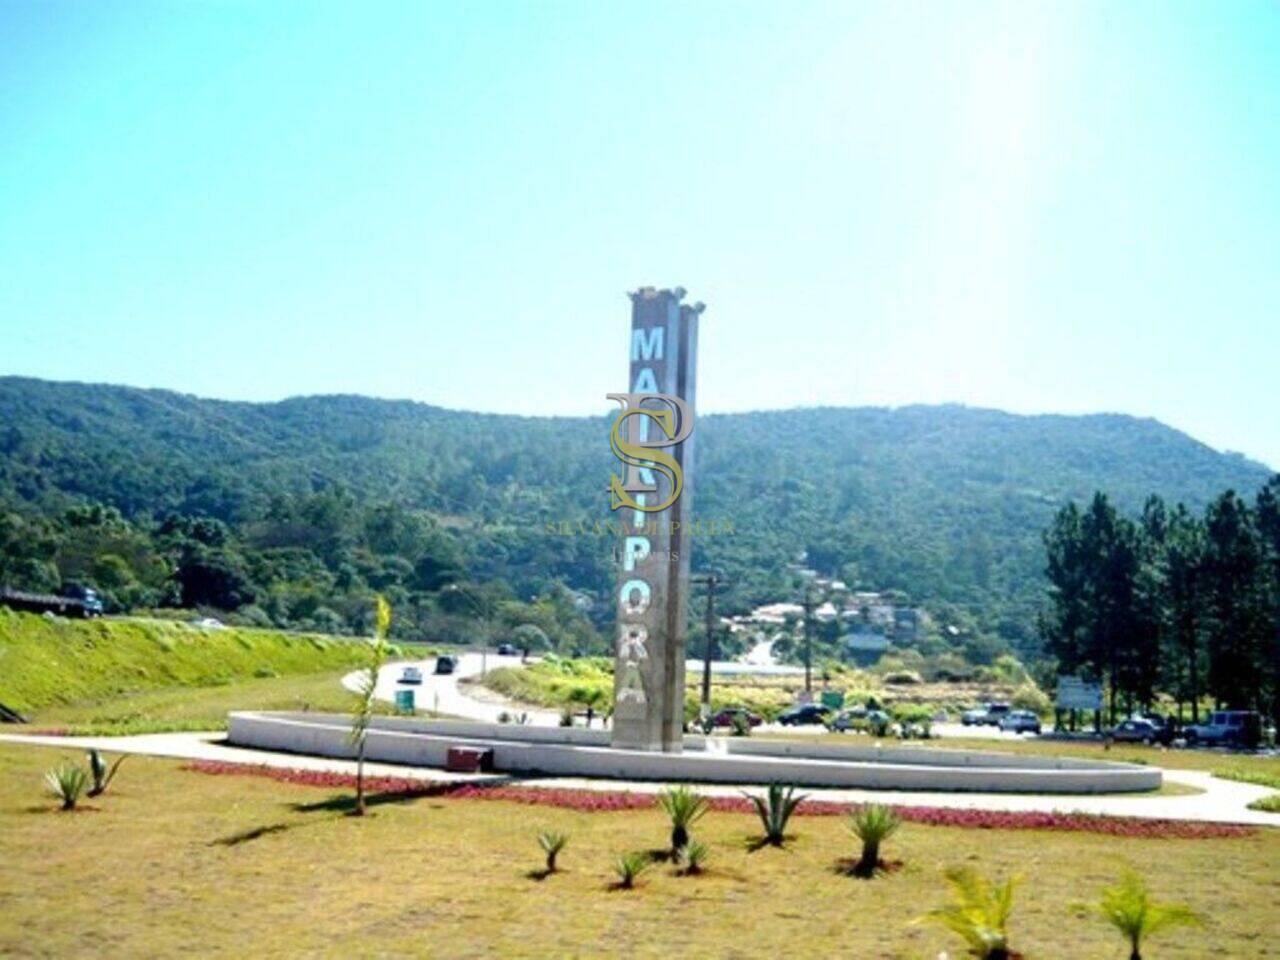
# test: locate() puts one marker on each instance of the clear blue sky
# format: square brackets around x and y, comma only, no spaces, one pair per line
[1040,207]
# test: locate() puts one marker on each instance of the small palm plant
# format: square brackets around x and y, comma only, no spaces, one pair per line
[67,782]
[1129,908]
[685,806]
[362,713]
[775,809]
[872,824]
[102,774]
[693,857]
[978,913]
[629,866]
[552,843]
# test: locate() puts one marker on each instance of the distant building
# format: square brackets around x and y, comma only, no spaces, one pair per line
[906,623]
[865,647]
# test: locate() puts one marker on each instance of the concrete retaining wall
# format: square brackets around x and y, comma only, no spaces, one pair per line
[584,753]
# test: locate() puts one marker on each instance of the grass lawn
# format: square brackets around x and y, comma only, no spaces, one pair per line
[175,862]
[198,708]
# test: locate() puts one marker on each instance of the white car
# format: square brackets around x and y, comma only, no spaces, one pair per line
[411,675]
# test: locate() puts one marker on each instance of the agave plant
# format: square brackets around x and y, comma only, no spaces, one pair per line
[775,809]
[552,843]
[978,913]
[67,782]
[102,774]
[684,806]
[872,824]
[693,857]
[1129,908]
[629,866]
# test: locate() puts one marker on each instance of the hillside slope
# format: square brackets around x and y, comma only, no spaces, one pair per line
[946,503]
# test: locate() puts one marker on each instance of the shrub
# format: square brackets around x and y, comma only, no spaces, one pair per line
[775,809]
[872,824]
[693,856]
[1030,697]
[67,782]
[629,866]
[1129,908]
[566,717]
[685,806]
[978,913]
[552,843]
[1267,804]
[899,678]
[741,725]
[102,774]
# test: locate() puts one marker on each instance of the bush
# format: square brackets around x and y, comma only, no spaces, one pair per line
[102,774]
[629,866]
[899,678]
[67,782]
[1129,908]
[1030,697]
[693,857]
[872,824]
[685,806]
[978,913]
[775,809]
[552,843]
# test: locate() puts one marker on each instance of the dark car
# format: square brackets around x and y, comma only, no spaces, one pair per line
[1139,730]
[446,664]
[508,650]
[1020,721]
[803,714]
[731,716]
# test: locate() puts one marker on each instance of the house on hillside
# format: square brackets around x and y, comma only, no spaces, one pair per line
[864,646]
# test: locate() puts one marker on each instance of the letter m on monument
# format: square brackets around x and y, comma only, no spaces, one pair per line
[652,437]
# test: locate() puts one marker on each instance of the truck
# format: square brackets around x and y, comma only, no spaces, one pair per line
[74,601]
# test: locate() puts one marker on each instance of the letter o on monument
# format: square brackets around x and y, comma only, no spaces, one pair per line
[635,596]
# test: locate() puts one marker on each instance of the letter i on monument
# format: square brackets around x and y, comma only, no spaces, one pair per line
[652,437]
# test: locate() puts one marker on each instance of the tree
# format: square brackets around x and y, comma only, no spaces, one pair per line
[1240,623]
[1183,563]
[362,714]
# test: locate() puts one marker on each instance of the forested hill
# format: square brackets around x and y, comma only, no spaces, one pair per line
[945,503]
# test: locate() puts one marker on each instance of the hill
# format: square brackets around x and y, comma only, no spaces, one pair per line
[945,503]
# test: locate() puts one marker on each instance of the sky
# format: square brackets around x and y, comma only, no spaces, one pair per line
[1038,207]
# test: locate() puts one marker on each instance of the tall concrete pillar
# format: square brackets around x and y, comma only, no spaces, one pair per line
[653,502]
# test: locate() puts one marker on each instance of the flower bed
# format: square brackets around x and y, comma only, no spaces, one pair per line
[592,801]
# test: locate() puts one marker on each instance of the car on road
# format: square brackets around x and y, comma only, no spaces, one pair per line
[508,650]
[446,664]
[1020,721]
[1141,730]
[732,716]
[987,715]
[1228,728]
[861,720]
[411,675]
[803,714]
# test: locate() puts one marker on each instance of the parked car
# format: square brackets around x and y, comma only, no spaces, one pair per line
[446,664]
[987,715]
[1140,730]
[803,714]
[1020,721]
[731,716]
[411,675]
[508,650]
[1228,728]
[853,718]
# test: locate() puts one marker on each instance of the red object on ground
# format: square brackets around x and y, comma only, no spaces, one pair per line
[592,801]
[469,760]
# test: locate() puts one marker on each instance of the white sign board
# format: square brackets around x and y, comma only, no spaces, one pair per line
[1076,694]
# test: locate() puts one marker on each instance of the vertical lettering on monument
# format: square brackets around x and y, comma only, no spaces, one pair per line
[654,561]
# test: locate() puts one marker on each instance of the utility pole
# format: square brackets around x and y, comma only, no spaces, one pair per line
[712,580]
[808,640]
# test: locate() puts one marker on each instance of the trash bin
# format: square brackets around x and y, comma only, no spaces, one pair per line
[404,701]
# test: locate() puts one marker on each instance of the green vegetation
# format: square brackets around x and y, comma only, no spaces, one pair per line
[629,866]
[684,806]
[67,782]
[873,825]
[978,913]
[552,842]
[774,809]
[1128,907]
[293,513]
[366,698]
[101,772]
[1267,804]
[1266,777]
[692,858]
[215,849]
[1171,602]
[47,661]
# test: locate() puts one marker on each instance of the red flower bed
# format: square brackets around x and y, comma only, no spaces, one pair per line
[592,801]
